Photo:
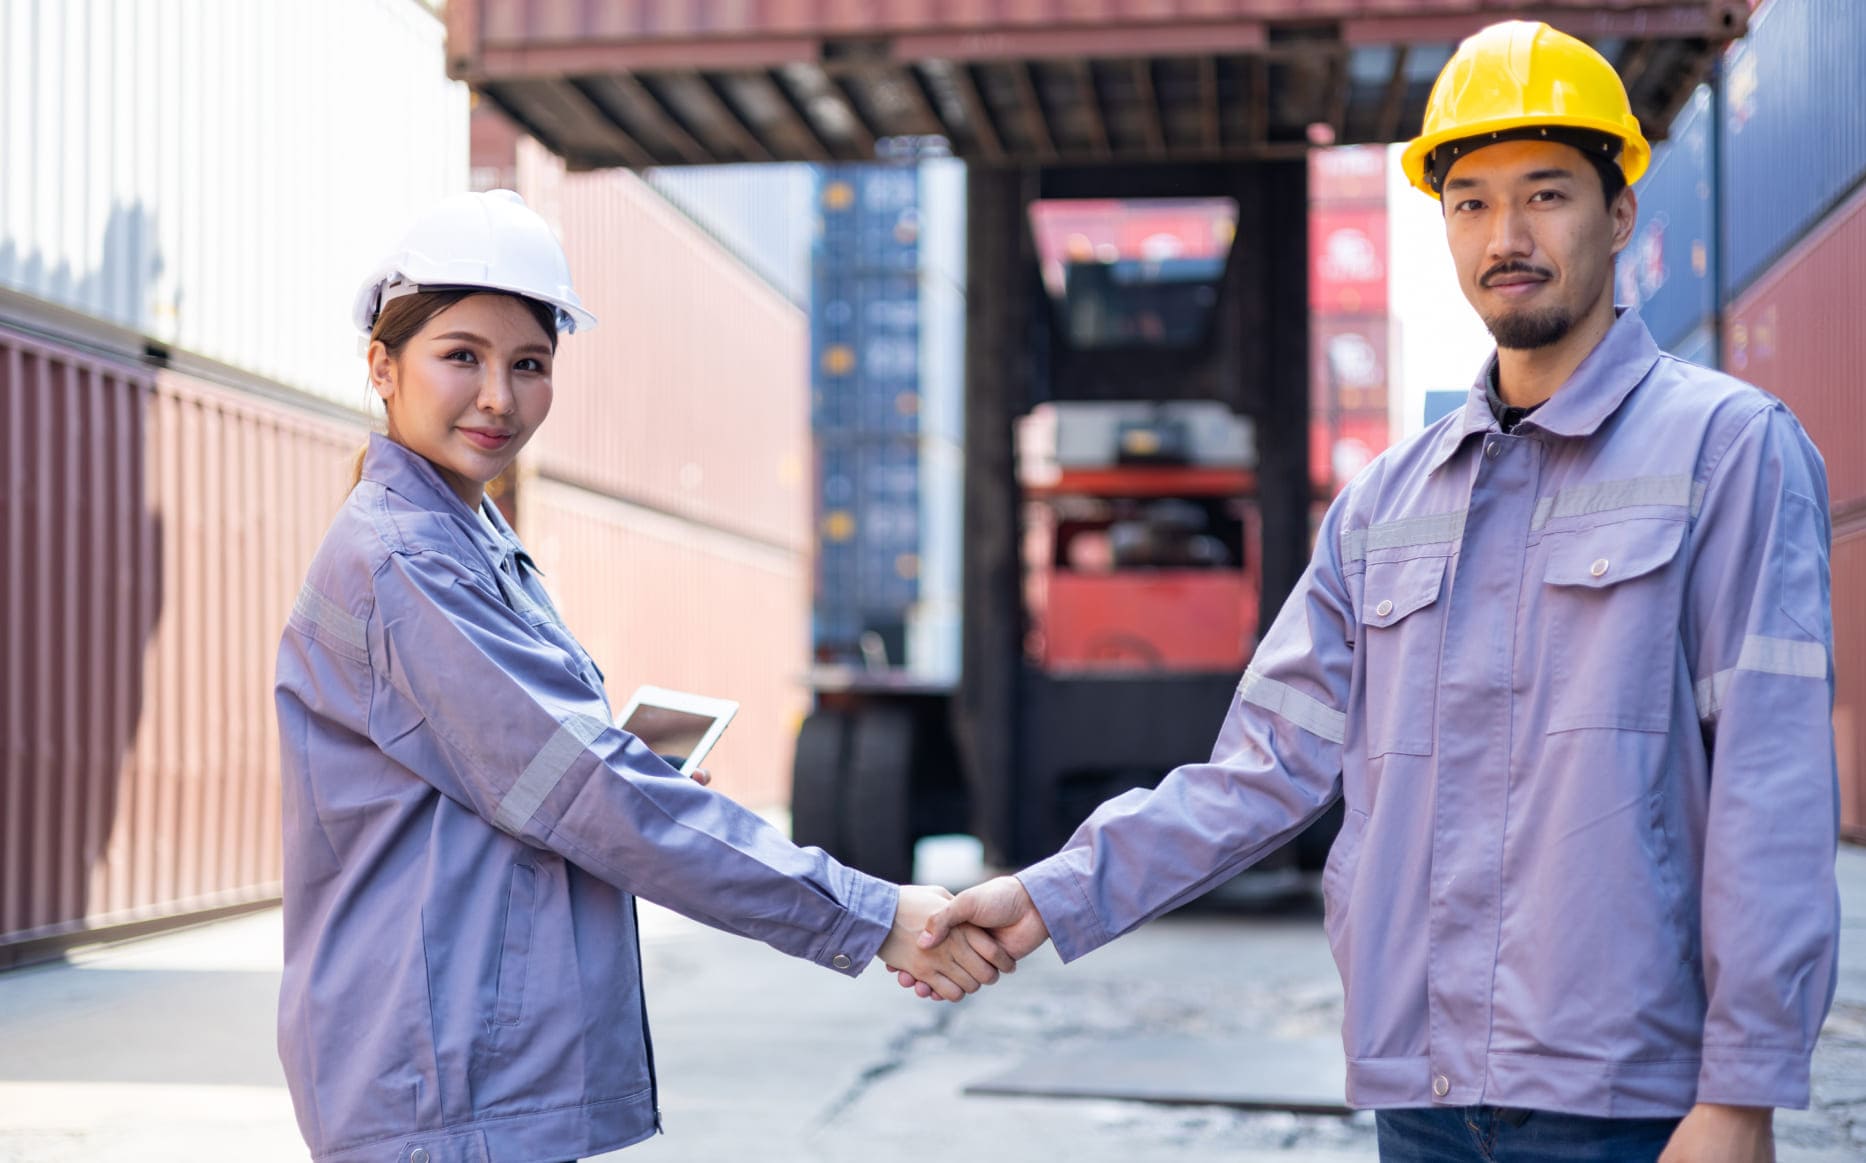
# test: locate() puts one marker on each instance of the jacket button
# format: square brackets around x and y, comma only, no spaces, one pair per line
[418,1155]
[1598,568]
[841,961]
[1491,450]
[1383,609]
[1441,1086]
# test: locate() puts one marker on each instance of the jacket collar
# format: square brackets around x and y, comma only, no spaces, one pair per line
[413,477]
[1602,382]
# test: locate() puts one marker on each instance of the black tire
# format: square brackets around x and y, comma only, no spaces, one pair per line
[818,782]
[878,822]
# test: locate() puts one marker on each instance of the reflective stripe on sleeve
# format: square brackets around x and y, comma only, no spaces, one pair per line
[1784,656]
[545,769]
[328,616]
[1278,698]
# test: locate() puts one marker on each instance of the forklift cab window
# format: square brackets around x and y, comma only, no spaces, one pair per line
[1134,272]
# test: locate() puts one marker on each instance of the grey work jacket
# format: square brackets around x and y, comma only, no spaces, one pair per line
[1575,685]
[464,829]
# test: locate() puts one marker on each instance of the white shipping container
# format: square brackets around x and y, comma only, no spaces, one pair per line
[933,625]
[219,175]
[763,214]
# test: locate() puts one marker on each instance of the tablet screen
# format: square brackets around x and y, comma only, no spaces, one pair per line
[671,734]
[679,727]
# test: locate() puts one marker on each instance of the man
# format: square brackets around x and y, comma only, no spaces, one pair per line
[1567,657]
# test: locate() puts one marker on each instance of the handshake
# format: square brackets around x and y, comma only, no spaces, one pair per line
[950,946]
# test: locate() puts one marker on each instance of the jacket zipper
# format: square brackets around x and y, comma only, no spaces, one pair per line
[647,1039]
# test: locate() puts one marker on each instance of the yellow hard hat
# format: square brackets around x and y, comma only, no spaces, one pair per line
[1524,79]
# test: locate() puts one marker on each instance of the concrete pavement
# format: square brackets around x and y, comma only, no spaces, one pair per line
[162,1049]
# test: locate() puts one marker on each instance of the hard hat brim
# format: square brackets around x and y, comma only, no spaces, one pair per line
[1635,153]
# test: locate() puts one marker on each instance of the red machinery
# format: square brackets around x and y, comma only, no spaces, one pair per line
[1141,538]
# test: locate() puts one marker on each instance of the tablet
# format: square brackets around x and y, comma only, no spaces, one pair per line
[679,727]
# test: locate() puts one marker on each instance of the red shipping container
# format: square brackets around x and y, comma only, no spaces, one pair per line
[659,600]
[1796,333]
[155,532]
[1348,365]
[1348,261]
[1849,566]
[692,396]
[1351,173]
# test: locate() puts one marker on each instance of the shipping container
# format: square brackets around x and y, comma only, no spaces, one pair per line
[1794,128]
[1849,582]
[683,83]
[1796,333]
[690,396]
[660,600]
[1348,260]
[1348,174]
[1666,269]
[154,530]
[764,214]
[887,339]
[221,177]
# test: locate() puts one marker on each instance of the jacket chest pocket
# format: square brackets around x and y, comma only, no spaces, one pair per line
[1402,636]
[1613,597]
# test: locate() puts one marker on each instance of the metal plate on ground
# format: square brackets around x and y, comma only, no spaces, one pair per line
[1304,1075]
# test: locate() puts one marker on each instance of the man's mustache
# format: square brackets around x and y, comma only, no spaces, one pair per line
[1514,267]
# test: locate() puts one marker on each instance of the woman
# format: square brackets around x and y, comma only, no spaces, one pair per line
[464,826]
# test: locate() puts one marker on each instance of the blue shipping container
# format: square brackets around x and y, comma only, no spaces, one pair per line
[868,533]
[1666,269]
[865,414]
[1794,128]
[866,333]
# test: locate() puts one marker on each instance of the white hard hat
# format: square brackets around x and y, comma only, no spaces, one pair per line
[490,240]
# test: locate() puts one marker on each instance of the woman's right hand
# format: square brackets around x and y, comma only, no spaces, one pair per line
[967,959]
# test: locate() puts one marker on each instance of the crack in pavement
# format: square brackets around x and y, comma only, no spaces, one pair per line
[894,1056]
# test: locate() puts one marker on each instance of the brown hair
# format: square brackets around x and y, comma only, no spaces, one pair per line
[401,319]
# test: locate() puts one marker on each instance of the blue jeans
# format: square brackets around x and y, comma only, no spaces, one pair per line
[1489,1134]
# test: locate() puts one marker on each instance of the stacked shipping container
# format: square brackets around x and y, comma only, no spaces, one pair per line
[1348,313]
[1794,277]
[181,187]
[1751,251]
[184,217]
[886,345]
[667,499]
[218,177]
[154,529]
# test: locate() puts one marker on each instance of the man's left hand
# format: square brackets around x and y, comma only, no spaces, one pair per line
[1713,1133]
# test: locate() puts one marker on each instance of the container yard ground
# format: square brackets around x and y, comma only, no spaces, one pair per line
[162,1049]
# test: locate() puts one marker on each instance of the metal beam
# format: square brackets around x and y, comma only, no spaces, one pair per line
[1393,100]
[858,120]
[743,139]
[983,130]
[1032,109]
[1210,130]
[1091,104]
[1259,111]
[1337,89]
[925,100]
[798,119]
[585,108]
[665,120]
[1148,106]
